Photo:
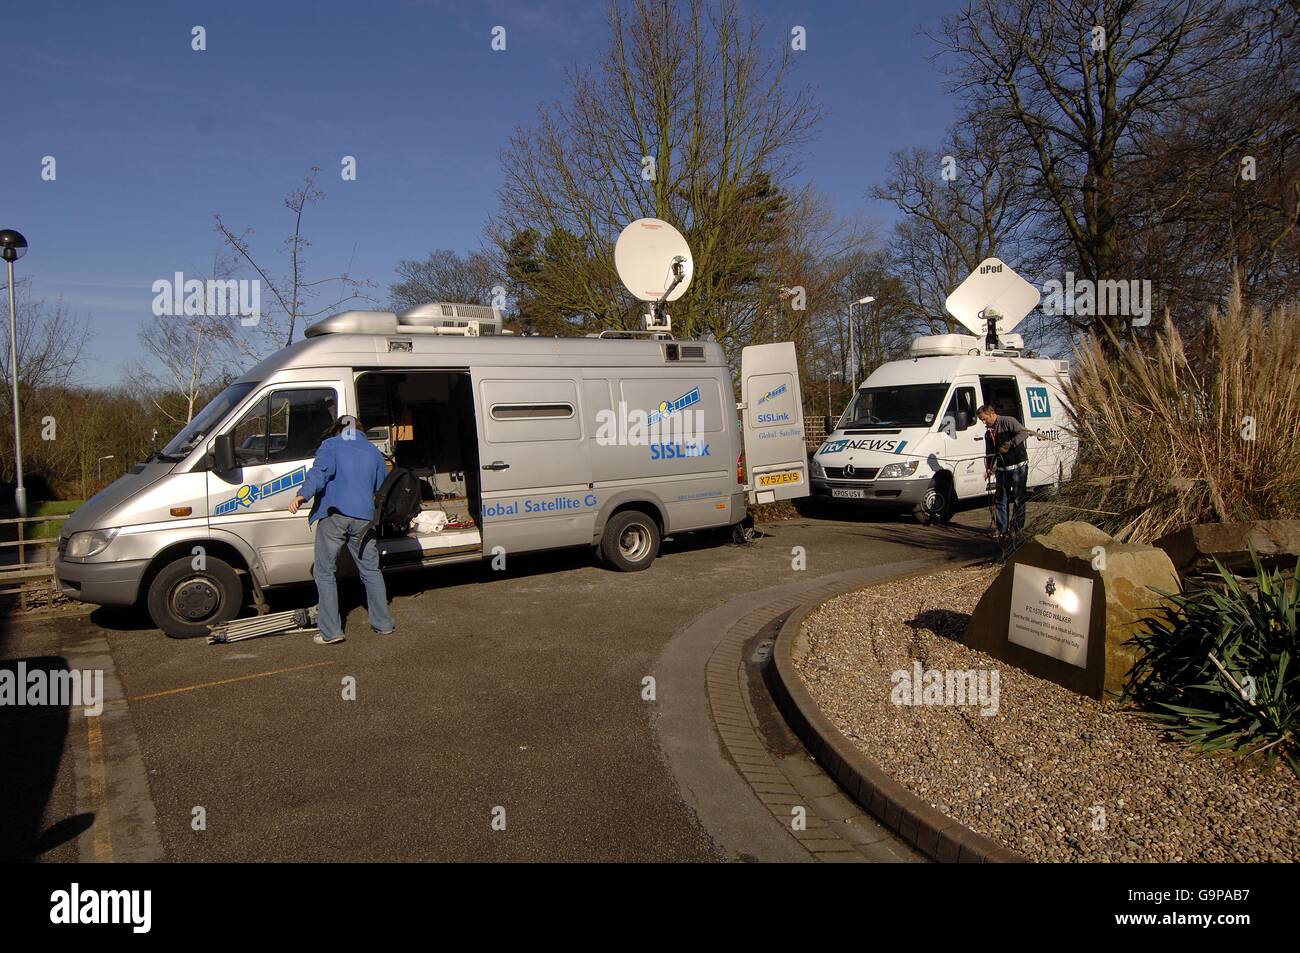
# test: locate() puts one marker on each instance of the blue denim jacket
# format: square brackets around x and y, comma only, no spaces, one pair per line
[349,471]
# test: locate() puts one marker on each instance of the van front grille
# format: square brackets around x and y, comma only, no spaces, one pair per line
[859,473]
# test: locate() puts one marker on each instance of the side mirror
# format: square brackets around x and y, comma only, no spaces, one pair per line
[223,453]
[829,424]
[963,420]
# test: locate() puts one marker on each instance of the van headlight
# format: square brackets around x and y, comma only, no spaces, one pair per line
[893,471]
[90,543]
[818,470]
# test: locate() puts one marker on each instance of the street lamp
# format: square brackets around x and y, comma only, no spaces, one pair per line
[100,464]
[852,355]
[829,375]
[12,247]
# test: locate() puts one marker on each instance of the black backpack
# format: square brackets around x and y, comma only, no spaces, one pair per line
[396,504]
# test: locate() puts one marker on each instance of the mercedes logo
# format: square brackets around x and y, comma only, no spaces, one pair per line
[849,471]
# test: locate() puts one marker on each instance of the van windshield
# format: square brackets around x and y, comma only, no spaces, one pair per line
[207,418]
[905,405]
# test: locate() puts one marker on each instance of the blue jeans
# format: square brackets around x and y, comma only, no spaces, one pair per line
[1011,497]
[331,533]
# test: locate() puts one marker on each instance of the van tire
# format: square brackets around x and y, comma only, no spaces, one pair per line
[936,507]
[631,541]
[184,601]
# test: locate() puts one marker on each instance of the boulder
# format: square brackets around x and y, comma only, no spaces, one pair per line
[1127,581]
[1193,550]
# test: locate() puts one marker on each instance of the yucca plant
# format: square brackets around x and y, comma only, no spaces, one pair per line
[1216,667]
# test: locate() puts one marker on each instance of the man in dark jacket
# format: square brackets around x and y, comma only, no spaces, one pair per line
[346,475]
[1005,454]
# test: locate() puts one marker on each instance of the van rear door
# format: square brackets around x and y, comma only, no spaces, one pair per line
[772,423]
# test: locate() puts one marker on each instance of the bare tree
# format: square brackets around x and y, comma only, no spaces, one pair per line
[1218,181]
[444,276]
[690,119]
[192,351]
[963,202]
[1072,84]
[51,340]
[293,296]
[51,343]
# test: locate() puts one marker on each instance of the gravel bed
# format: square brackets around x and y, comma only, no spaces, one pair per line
[1054,775]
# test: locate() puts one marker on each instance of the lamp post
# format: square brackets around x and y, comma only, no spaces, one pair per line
[100,464]
[829,375]
[12,247]
[853,364]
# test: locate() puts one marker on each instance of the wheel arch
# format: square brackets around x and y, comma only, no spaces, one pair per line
[222,549]
[630,501]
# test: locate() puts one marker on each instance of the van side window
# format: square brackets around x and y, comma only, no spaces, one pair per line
[298,421]
[250,435]
[531,411]
[287,425]
[961,408]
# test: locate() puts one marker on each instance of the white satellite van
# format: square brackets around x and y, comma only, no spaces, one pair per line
[522,443]
[910,436]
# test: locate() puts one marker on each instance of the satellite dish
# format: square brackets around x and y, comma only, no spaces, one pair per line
[994,287]
[644,257]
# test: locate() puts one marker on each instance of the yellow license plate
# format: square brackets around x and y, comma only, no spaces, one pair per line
[780,479]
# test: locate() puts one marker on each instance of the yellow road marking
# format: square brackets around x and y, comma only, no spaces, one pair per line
[225,681]
[103,838]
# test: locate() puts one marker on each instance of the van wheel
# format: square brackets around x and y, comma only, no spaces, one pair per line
[184,601]
[937,504]
[631,541]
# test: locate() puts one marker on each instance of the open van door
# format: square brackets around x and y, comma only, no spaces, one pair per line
[771,417]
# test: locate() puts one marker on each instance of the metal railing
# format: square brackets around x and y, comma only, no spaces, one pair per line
[27,562]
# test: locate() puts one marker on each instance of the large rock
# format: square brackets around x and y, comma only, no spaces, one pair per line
[1193,550]
[1127,581]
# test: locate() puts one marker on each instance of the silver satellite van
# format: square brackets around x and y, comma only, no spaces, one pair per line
[523,443]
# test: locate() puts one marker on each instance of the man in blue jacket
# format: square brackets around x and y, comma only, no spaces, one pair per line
[347,473]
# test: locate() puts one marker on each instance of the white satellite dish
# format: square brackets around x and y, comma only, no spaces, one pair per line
[995,287]
[645,256]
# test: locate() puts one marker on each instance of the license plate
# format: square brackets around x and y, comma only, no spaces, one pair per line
[848,494]
[780,479]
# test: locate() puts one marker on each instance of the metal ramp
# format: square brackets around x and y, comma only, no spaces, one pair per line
[295,620]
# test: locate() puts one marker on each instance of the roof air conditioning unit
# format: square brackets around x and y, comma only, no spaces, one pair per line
[469,319]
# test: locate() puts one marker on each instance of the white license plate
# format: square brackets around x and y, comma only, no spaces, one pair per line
[848,494]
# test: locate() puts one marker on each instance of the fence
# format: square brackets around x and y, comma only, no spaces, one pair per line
[814,432]
[27,557]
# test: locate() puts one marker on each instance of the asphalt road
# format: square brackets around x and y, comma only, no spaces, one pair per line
[510,696]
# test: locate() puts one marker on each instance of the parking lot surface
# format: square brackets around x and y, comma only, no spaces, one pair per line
[505,719]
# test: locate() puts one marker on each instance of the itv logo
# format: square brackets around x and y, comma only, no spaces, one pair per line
[1040,405]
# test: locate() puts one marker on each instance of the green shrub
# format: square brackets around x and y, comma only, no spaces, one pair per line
[1217,668]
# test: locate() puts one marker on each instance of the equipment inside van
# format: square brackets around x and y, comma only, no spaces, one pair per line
[517,444]
[910,438]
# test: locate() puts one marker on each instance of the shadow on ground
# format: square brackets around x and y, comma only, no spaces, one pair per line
[32,739]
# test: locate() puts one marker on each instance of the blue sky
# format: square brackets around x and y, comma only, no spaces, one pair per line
[152,138]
